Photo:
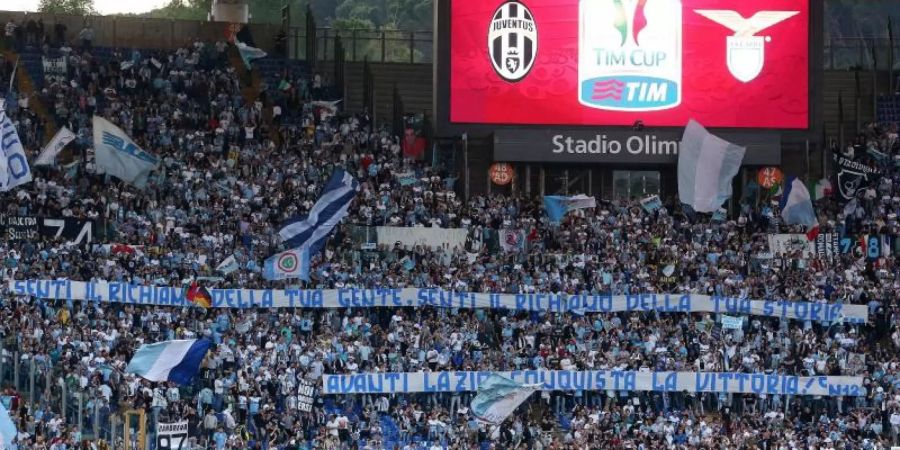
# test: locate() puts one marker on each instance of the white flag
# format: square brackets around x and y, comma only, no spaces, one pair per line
[512,240]
[14,169]
[498,397]
[706,166]
[119,156]
[230,264]
[49,152]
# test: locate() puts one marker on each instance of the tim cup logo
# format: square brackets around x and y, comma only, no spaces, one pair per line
[746,51]
[512,41]
[629,54]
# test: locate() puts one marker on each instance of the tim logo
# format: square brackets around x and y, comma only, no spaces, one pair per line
[746,51]
[512,41]
[629,54]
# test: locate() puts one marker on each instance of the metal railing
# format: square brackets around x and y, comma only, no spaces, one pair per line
[42,385]
[394,46]
[416,47]
[860,53]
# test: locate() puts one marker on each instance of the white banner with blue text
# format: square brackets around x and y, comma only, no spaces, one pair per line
[596,380]
[121,292]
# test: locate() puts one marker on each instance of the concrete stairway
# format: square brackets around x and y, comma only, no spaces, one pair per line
[25,84]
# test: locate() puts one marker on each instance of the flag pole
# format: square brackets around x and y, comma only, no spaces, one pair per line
[12,76]
[874,81]
[891,80]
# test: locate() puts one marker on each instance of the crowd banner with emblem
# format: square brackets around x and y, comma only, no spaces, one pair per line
[852,176]
[172,436]
[122,292]
[293,263]
[512,240]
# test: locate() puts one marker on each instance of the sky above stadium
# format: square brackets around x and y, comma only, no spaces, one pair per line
[103,6]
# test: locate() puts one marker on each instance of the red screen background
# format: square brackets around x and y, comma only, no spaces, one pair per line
[778,98]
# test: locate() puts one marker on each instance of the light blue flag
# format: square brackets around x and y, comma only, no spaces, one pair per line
[289,264]
[557,206]
[7,429]
[651,203]
[498,397]
[312,231]
[721,215]
[248,53]
[177,361]
[119,156]
[14,168]
[706,166]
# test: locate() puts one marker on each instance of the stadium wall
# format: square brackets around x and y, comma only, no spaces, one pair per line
[140,32]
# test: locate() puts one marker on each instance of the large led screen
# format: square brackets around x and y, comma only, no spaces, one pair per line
[725,63]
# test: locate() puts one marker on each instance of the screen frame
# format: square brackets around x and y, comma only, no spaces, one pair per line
[442,73]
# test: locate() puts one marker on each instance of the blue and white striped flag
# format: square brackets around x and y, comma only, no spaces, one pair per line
[176,361]
[706,166]
[498,397]
[312,231]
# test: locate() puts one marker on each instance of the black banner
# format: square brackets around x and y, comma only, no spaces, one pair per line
[306,395]
[31,228]
[19,228]
[828,245]
[851,176]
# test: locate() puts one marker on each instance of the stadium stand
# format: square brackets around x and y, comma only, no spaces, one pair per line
[225,188]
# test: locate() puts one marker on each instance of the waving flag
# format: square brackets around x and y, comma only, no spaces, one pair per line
[119,156]
[312,231]
[230,264]
[176,361]
[797,207]
[289,264]
[498,397]
[198,295]
[8,431]
[558,206]
[14,169]
[706,166]
[59,141]
[248,53]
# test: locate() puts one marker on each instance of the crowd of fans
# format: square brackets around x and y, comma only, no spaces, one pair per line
[234,168]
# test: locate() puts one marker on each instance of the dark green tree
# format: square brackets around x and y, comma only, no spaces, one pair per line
[75,7]
[183,10]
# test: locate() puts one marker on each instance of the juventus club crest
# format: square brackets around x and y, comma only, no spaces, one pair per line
[512,41]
